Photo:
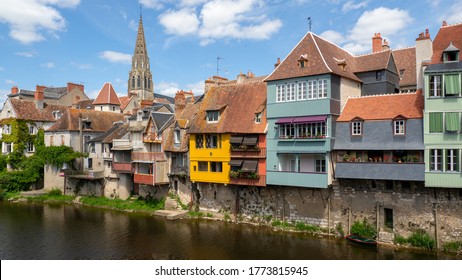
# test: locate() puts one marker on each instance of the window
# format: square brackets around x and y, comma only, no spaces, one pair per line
[401,73]
[436,163]
[199,141]
[211,141]
[388,217]
[280,93]
[203,166]
[322,87]
[286,130]
[133,82]
[176,136]
[213,116]
[320,165]
[452,122]
[301,91]
[32,129]
[302,63]
[258,118]
[30,147]
[291,92]
[312,90]
[451,85]
[7,129]
[399,127]
[435,86]
[378,75]
[356,128]
[90,163]
[452,160]
[7,148]
[216,166]
[436,122]
[138,82]
[86,140]
[311,130]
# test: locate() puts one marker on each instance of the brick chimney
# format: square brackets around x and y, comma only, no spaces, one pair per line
[14,90]
[445,23]
[39,97]
[71,86]
[376,43]
[277,63]
[423,53]
[180,101]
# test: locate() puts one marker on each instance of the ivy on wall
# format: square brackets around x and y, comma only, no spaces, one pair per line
[25,171]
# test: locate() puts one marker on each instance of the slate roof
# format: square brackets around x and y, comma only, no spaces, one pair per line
[239,104]
[446,35]
[162,120]
[116,132]
[27,110]
[372,62]
[107,95]
[405,60]
[85,104]
[100,121]
[384,107]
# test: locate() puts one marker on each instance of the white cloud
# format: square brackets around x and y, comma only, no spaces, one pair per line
[351,5]
[82,66]
[116,57]
[48,65]
[220,19]
[182,22]
[166,88]
[197,88]
[455,15]
[152,4]
[10,82]
[388,22]
[29,19]
[333,36]
[25,54]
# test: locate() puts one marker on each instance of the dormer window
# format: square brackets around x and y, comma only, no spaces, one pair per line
[213,116]
[302,61]
[86,124]
[56,115]
[258,118]
[176,134]
[357,127]
[399,126]
[451,54]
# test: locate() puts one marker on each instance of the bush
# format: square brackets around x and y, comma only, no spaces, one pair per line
[2,194]
[453,247]
[55,192]
[364,229]
[421,239]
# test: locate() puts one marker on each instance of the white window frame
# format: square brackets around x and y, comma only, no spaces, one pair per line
[322,88]
[176,136]
[30,147]
[320,165]
[452,158]
[258,117]
[281,93]
[291,92]
[399,127]
[32,129]
[7,129]
[436,82]
[436,160]
[301,93]
[356,128]
[312,90]
[213,116]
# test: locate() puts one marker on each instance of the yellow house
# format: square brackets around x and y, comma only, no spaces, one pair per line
[209,157]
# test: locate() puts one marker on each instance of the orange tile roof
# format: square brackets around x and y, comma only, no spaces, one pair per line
[100,121]
[384,107]
[183,120]
[405,60]
[239,102]
[107,95]
[27,110]
[446,35]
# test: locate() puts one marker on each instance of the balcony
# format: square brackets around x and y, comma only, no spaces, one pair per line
[248,153]
[146,179]
[381,171]
[148,156]
[260,181]
[88,174]
[122,167]
[297,179]
[107,156]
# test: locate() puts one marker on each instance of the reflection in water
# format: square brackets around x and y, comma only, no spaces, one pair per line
[29,231]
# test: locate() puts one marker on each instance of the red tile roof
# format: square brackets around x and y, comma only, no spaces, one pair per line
[27,110]
[107,95]
[384,107]
[446,35]
[239,103]
[405,60]
[100,121]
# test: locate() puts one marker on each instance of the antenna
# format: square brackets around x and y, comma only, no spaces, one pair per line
[218,68]
[309,23]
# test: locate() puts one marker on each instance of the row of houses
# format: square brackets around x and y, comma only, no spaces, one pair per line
[326,138]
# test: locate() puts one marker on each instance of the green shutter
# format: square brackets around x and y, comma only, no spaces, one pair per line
[452,122]
[436,122]
[452,84]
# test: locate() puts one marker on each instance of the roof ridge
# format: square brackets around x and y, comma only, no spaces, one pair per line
[332,43]
[365,54]
[320,53]
[383,94]
[403,48]
[451,25]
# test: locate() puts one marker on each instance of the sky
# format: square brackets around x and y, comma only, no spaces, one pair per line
[90,42]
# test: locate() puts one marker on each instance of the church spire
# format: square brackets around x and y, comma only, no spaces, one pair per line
[140,77]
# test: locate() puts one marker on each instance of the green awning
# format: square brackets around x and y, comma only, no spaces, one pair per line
[436,122]
[451,84]
[452,122]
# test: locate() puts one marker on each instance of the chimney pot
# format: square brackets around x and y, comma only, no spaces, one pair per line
[277,63]
[14,90]
[445,23]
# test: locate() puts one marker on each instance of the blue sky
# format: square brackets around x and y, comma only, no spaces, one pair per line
[52,42]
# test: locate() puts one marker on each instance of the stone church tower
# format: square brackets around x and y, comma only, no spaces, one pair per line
[140,77]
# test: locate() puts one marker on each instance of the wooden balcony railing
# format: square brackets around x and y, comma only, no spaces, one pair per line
[249,153]
[124,167]
[146,179]
[260,181]
[148,156]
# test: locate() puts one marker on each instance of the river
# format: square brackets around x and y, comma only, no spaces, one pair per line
[69,232]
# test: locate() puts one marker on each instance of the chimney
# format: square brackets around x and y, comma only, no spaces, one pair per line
[277,63]
[39,96]
[445,23]
[14,90]
[209,83]
[250,74]
[376,43]
[180,101]
[241,78]
[423,53]
[71,86]
[385,45]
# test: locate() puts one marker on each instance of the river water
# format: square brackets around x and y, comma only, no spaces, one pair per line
[51,232]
